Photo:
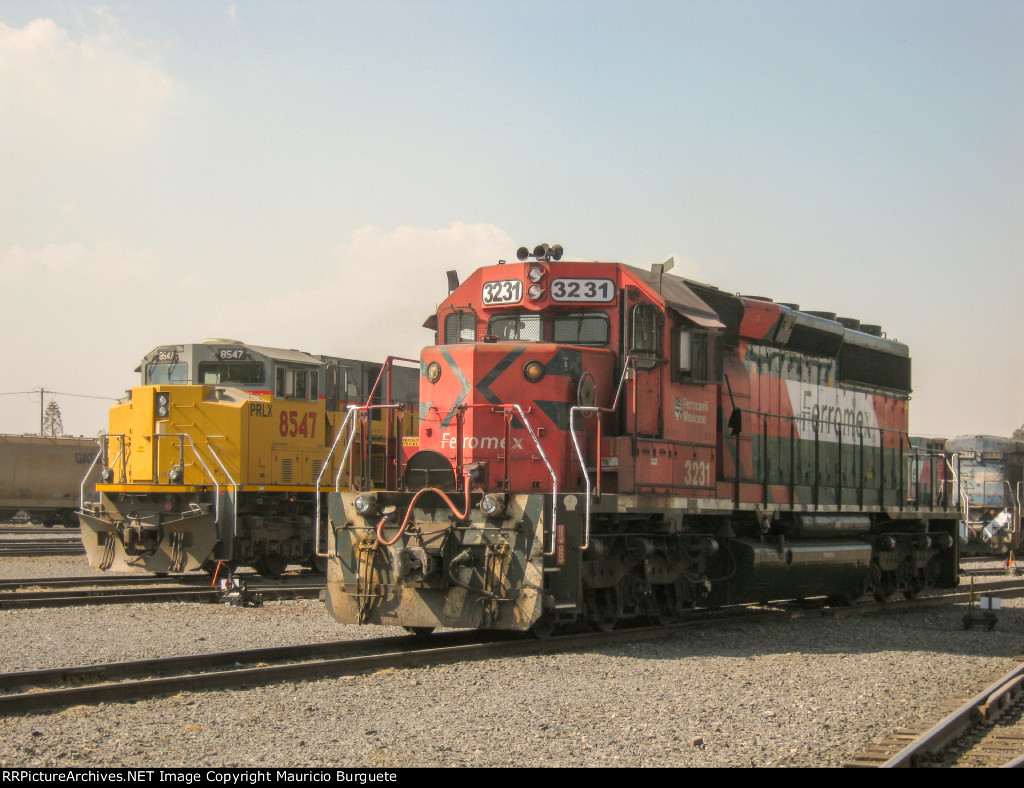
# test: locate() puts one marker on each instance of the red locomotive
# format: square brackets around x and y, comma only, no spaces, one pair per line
[600,443]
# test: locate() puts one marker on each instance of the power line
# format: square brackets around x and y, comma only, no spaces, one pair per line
[59,393]
[42,397]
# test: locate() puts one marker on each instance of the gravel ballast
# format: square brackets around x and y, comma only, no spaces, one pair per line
[807,691]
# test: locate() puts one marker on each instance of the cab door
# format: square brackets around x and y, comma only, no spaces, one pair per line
[644,392]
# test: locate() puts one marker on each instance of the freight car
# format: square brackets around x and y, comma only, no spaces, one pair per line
[990,472]
[42,477]
[600,443]
[219,454]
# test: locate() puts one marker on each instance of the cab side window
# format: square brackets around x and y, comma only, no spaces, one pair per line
[460,327]
[698,356]
[645,335]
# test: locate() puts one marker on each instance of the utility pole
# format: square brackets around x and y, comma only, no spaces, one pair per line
[42,391]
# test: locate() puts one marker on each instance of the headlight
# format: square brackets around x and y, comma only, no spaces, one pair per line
[434,372]
[174,476]
[162,406]
[535,292]
[106,475]
[366,505]
[536,274]
[533,371]
[493,505]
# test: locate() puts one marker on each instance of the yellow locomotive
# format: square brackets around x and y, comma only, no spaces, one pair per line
[220,454]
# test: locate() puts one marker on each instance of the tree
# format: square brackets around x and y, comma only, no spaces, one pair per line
[53,426]
[1018,434]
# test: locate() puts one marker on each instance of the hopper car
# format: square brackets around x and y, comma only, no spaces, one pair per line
[41,477]
[216,459]
[601,443]
[990,471]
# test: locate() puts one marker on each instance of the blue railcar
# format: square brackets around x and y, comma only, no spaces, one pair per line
[989,470]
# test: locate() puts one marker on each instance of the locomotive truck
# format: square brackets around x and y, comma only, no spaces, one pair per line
[601,443]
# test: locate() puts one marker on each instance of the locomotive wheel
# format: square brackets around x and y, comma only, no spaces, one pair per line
[317,565]
[543,629]
[420,632]
[603,626]
[271,566]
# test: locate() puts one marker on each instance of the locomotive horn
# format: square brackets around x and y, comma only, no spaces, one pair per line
[556,252]
[541,251]
[523,253]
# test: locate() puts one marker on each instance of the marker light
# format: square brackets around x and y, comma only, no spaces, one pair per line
[163,404]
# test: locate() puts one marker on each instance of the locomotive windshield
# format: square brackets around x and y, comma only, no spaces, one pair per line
[581,328]
[515,328]
[166,373]
[584,328]
[233,373]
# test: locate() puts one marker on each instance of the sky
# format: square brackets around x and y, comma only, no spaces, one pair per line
[302,174]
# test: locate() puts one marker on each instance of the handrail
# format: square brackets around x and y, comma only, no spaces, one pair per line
[102,442]
[206,468]
[323,468]
[876,439]
[554,476]
[349,419]
[963,498]
[209,474]
[579,451]
[348,448]
[504,407]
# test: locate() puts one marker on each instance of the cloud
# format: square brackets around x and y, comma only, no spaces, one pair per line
[68,266]
[386,283]
[101,87]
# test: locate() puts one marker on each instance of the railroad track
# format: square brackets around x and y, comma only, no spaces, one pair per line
[56,545]
[985,729]
[31,530]
[70,592]
[38,690]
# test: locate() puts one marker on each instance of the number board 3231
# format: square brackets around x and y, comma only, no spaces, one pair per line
[601,291]
[507,291]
